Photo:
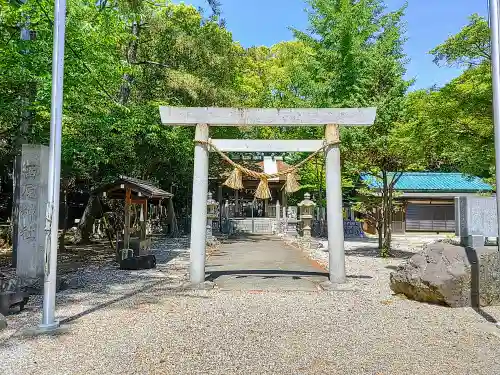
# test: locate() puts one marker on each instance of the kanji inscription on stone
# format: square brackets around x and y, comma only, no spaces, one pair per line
[32,208]
[30,171]
[29,191]
[28,232]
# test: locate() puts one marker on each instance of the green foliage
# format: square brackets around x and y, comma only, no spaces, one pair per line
[173,57]
[359,62]
[470,47]
[451,128]
[125,58]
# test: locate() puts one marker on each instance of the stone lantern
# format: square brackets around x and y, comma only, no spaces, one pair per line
[212,214]
[306,214]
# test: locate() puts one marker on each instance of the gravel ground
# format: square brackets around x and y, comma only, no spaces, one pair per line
[362,329]
[362,260]
[95,285]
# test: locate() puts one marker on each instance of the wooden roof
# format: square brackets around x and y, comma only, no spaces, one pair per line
[139,188]
[432,182]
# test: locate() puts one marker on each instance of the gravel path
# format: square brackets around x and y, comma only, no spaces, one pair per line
[361,330]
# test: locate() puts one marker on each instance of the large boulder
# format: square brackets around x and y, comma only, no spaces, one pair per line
[450,275]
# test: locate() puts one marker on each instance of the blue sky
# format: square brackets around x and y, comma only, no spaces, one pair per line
[429,23]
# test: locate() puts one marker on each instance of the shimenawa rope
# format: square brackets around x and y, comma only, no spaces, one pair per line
[235,180]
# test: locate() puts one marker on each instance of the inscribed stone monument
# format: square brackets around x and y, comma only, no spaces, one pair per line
[353,229]
[475,219]
[32,209]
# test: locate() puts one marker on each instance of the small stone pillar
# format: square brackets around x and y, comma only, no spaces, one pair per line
[306,215]
[211,215]
[277,213]
[291,222]
[236,203]
[143,221]
[219,200]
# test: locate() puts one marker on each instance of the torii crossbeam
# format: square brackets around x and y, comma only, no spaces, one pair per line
[205,117]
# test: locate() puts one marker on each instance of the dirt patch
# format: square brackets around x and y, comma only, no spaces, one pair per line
[73,257]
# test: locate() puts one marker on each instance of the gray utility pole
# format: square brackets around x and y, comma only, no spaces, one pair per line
[49,287]
[26,34]
[495,73]
[495,67]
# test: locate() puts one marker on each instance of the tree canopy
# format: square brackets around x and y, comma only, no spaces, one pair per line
[451,128]
[124,58]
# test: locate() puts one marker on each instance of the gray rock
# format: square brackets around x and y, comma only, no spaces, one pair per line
[450,275]
[9,300]
[3,322]
[33,285]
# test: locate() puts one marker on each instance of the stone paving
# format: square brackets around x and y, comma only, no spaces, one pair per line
[256,262]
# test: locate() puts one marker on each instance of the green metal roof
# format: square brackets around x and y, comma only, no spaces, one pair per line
[432,182]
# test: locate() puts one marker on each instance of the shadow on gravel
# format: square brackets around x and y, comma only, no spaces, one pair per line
[370,249]
[107,279]
[475,283]
[154,295]
[374,253]
[103,284]
[154,292]
[249,237]
[269,274]
[125,296]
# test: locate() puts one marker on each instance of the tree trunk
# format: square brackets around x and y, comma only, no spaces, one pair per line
[131,55]
[385,213]
[388,233]
[16,178]
[92,211]
[390,206]
[379,230]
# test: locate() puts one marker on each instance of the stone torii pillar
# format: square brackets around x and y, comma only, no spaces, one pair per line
[203,117]
[199,207]
[336,259]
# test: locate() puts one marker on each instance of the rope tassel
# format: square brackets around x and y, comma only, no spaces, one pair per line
[263,191]
[235,180]
[291,185]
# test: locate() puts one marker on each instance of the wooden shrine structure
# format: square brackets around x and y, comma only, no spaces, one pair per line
[138,192]
[239,201]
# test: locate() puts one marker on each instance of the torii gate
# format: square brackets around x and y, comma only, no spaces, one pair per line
[205,117]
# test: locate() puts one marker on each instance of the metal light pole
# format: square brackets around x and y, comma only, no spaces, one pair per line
[52,225]
[495,73]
